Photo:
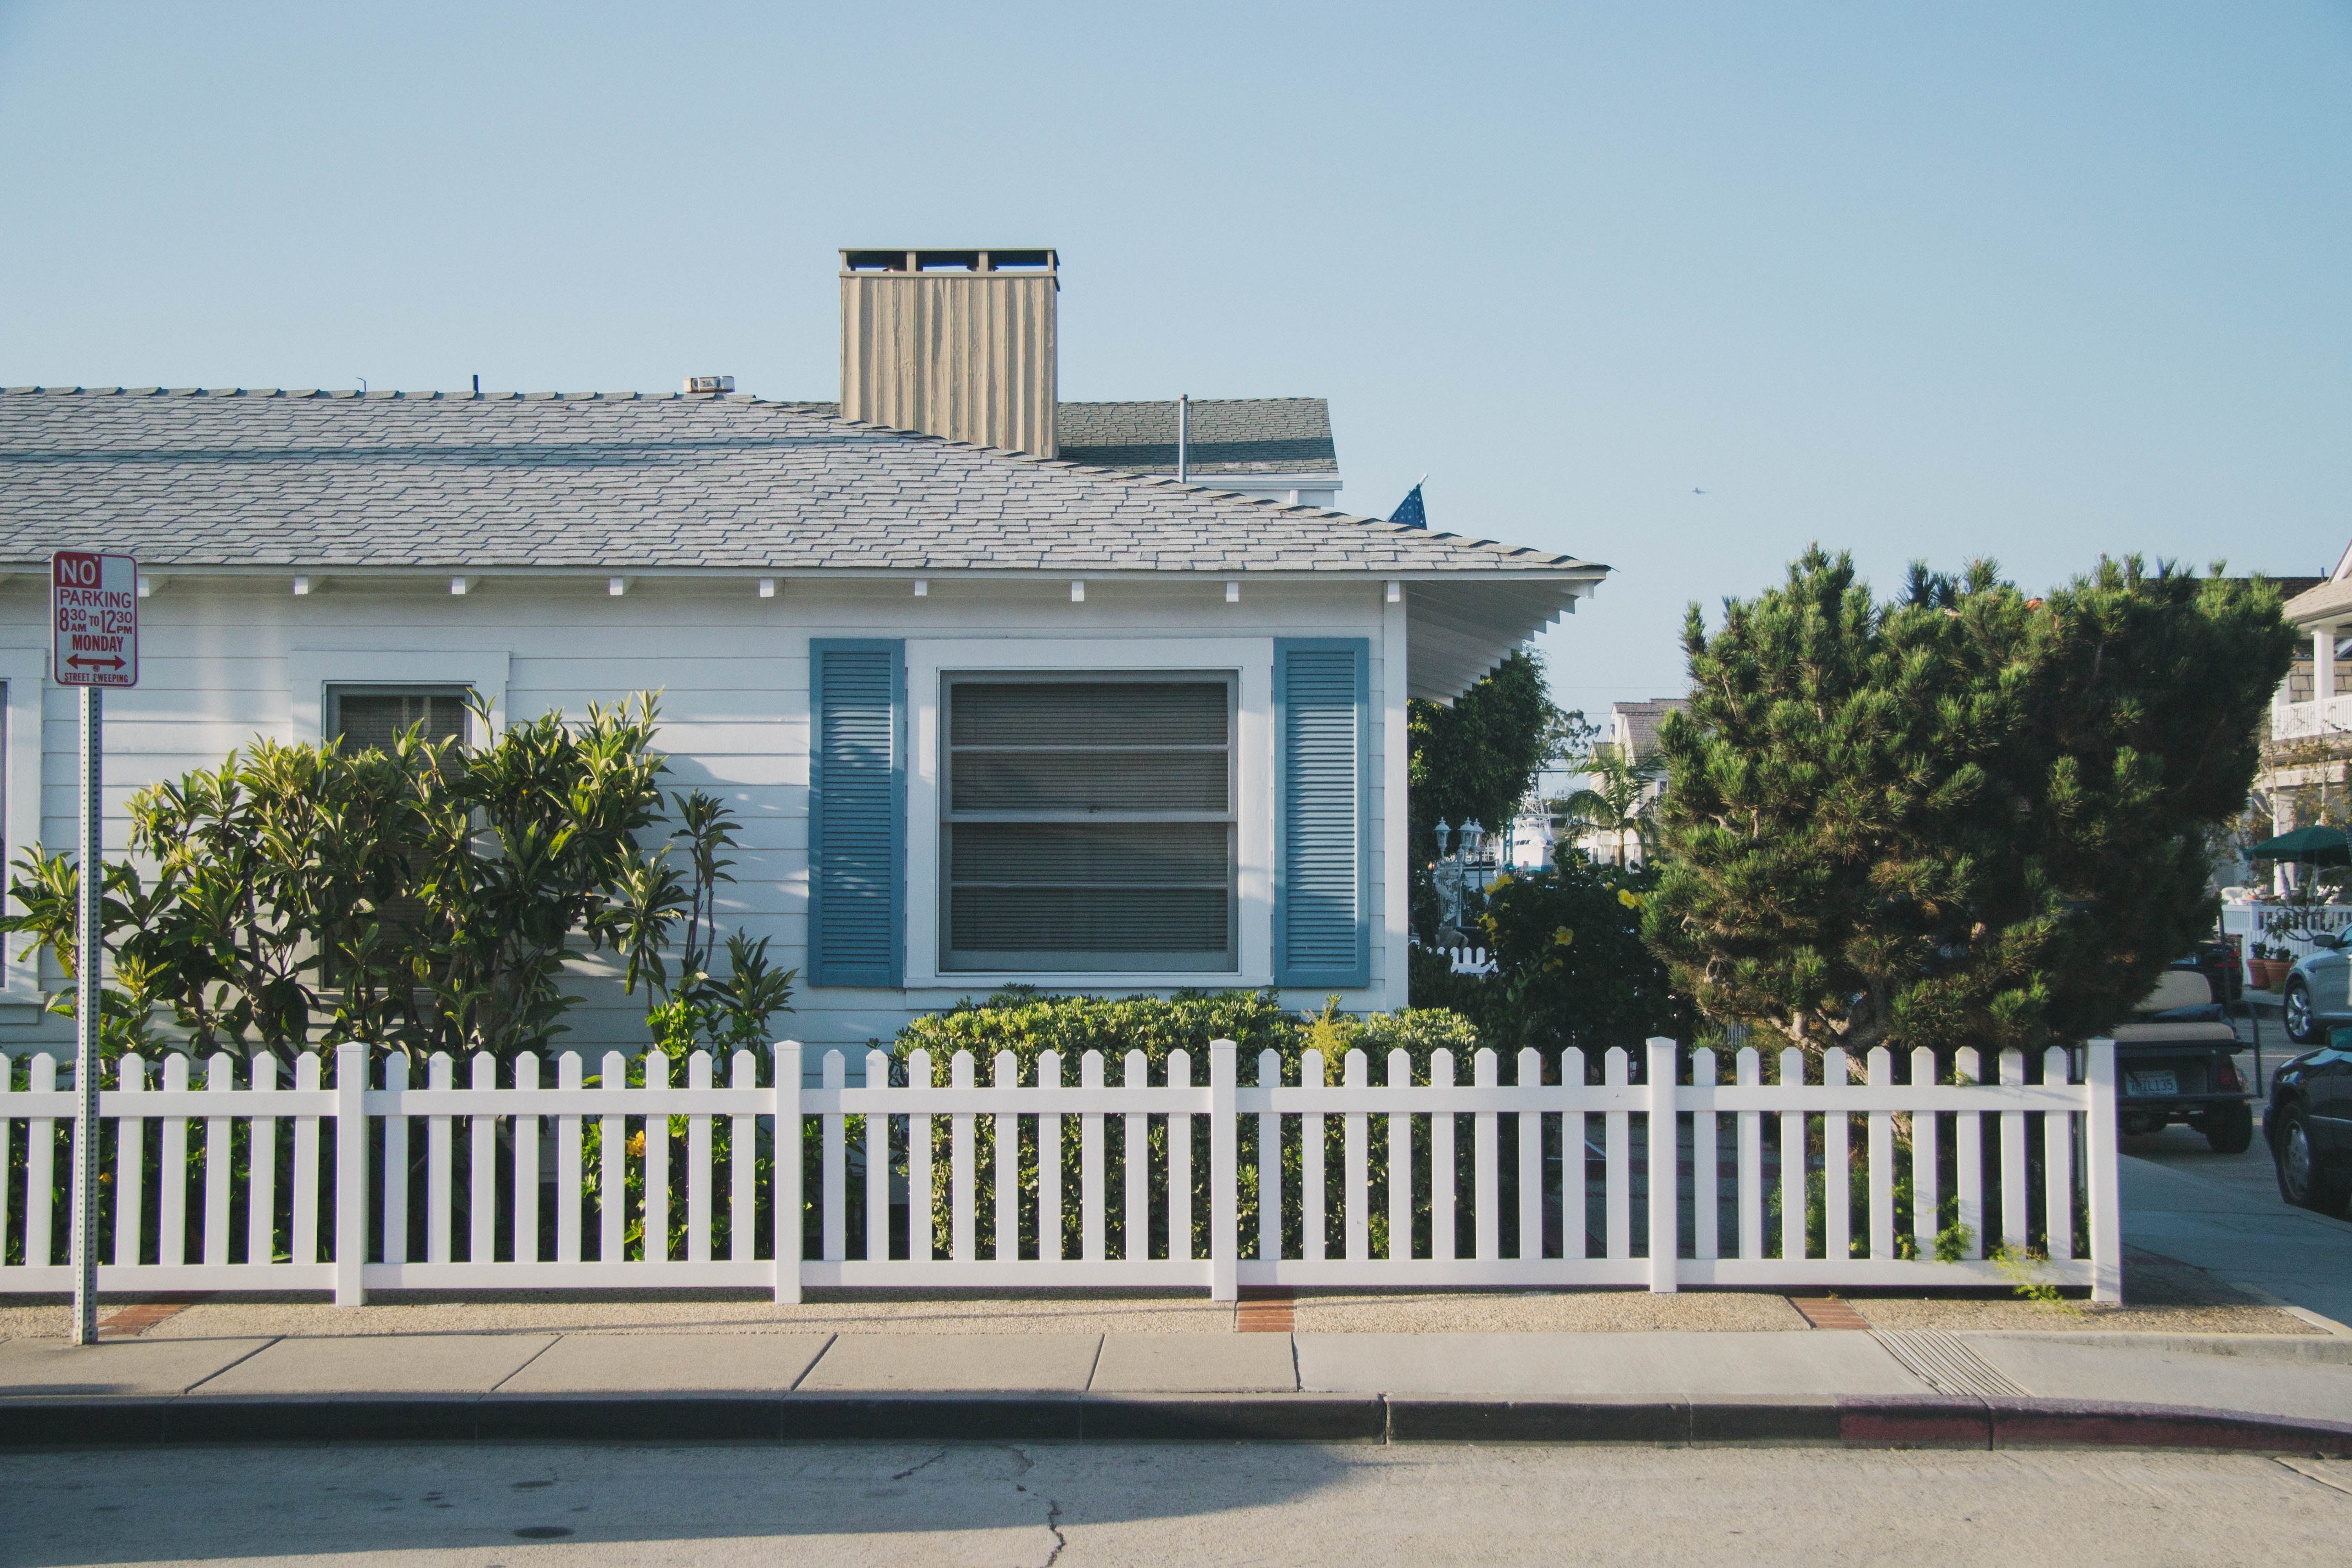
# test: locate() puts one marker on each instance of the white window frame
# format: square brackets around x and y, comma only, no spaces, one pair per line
[311,671]
[25,671]
[1252,661]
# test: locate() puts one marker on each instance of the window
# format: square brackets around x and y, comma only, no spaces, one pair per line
[377,716]
[1088,822]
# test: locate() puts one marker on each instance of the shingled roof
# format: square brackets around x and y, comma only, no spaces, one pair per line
[256,481]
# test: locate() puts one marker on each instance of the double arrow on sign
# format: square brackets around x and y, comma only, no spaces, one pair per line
[96,663]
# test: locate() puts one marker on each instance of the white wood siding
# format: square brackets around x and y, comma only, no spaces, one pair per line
[733,670]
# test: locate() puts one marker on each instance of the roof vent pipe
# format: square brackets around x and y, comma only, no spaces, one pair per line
[1184,438]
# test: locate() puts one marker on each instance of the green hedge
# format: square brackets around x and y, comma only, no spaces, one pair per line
[1028,1023]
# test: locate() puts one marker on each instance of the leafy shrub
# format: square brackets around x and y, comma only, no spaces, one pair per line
[1028,1023]
[1573,968]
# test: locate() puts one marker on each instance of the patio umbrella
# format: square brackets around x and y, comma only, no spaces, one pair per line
[2313,846]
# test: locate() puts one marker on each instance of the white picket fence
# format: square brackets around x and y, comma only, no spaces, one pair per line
[1564,1183]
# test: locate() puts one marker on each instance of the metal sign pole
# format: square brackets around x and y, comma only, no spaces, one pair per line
[94,632]
[91,943]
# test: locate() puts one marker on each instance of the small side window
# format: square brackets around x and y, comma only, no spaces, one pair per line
[376,716]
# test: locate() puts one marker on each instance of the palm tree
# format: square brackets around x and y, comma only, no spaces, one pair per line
[1617,798]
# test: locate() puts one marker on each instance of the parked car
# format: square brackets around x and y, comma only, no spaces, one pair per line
[2315,1000]
[2177,1061]
[2308,1125]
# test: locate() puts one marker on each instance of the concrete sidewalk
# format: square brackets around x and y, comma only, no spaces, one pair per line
[1882,1387]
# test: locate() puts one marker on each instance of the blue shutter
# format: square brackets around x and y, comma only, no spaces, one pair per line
[857,812]
[1322,831]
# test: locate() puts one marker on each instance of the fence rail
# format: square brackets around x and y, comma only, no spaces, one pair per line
[1859,1178]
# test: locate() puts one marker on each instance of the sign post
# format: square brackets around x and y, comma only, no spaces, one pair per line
[94,623]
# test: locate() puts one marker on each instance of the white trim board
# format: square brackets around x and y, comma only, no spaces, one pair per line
[1251,661]
[24,670]
[309,672]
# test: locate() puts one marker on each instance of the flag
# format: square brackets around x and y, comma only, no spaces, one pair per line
[1409,512]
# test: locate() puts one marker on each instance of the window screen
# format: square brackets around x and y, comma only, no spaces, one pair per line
[376,716]
[1087,823]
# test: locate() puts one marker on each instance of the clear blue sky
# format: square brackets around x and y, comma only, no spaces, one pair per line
[2019,280]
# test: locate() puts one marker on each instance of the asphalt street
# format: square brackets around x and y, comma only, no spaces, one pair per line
[1067,1506]
[2223,1213]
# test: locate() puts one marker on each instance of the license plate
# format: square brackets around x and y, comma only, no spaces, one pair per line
[2150,1083]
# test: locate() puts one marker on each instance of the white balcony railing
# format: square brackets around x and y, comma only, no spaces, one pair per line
[2310,721]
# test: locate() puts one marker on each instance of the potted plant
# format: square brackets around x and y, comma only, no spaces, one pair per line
[2268,964]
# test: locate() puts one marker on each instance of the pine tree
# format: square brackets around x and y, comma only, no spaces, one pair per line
[1964,818]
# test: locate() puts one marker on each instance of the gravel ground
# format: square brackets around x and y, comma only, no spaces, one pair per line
[1590,1311]
[1915,1312]
[1577,1311]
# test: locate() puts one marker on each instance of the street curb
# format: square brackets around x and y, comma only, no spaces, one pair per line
[27,1423]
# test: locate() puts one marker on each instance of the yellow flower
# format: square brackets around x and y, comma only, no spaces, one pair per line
[637,1143]
[1562,937]
[1500,883]
[1630,900]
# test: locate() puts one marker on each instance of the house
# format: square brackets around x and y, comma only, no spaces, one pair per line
[2303,776]
[988,713]
[1632,733]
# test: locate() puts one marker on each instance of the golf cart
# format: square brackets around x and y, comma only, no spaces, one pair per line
[2175,1061]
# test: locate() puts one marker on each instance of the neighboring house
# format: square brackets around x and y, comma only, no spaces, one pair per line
[987,716]
[1632,732]
[2303,774]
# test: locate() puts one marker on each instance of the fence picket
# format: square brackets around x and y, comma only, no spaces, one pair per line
[525,1237]
[482,1173]
[742,1166]
[568,1159]
[1926,1170]
[172,1180]
[1881,1159]
[1486,1159]
[833,1181]
[220,1078]
[922,1213]
[1837,1193]
[1004,1073]
[1134,1167]
[960,1165]
[41,1169]
[1968,1161]
[439,1075]
[612,1167]
[1575,1179]
[655,1247]
[1665,1142]
[1180,1163]
[395,1162]
[1399,1172]
[261,1159]
[1445,1240]
[1530,1146]
[697,1165]
[129,1168]
[2057,1162]
[790,1239]
[1749,1065]
[1707,1175]
[1314,1218]
[1617,1160]
[1270,1164]
[1049,1165]
[1090,1163]
[2013,1199]
[306,1164]
[1355,1161]
[1793,1172]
